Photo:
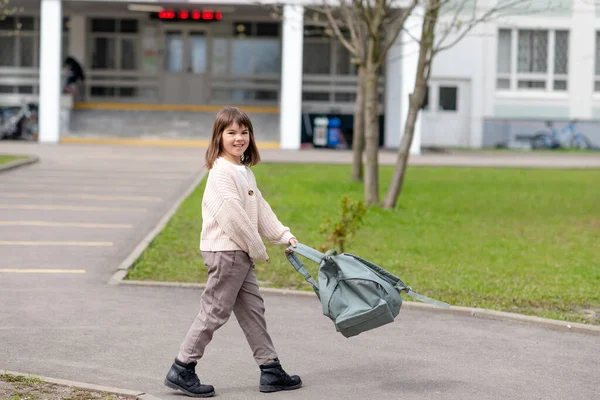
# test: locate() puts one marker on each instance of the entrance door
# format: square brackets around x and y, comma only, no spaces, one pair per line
[446,118]
[185,61]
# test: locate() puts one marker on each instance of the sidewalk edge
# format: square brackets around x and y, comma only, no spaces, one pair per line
[81,385]
[19,163]
[126,264]
[457,310]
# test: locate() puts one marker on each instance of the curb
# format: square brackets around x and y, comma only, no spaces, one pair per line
[88,386]
[122,269]
[18,163]
[413,305]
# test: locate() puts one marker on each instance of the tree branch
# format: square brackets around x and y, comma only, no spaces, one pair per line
[367,16]
[454,22]
[391,40]
[492,12]
[339,34]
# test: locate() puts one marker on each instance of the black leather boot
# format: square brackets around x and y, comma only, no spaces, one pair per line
[273,378]
[183,377]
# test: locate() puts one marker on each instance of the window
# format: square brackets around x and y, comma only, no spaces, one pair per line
[425,105]
[255,56]
[19,48]
[597,70]
[447,98]
[18,42]
[114,46]
[317,56]
[530,59]
[256,29]
[328,68]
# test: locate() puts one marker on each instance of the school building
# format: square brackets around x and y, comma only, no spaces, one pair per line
[162,69]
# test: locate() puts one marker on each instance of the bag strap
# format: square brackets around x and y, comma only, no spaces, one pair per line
[408,290]
[398,284]
[309,253]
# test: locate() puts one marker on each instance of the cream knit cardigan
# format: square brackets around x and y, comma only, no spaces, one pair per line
[235,215]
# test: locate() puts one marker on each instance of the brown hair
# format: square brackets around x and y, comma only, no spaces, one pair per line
[224,118]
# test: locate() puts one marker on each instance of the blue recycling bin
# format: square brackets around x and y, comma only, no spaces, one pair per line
[334,133]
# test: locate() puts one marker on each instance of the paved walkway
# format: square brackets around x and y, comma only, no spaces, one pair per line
[81,210]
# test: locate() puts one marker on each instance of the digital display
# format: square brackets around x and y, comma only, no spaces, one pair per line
[188,15]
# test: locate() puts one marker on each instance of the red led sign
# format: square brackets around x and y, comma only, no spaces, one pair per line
[186,15]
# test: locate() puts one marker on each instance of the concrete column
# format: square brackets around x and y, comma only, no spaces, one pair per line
[290,108]
[393,96]
[483,80]
[401,65]
[50,70]
[77,36]
[582,50]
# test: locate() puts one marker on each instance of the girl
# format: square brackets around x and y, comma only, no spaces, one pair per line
[234,217]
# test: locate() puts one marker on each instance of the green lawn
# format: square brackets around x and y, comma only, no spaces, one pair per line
[519,240]
[7,158]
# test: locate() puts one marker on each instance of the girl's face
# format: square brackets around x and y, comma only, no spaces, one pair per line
[235,140]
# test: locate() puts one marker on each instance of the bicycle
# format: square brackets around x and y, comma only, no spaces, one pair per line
[19,123]
[566,138]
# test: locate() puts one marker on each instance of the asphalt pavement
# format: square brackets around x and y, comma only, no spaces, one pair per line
[68,222]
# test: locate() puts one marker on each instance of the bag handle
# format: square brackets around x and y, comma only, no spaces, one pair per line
[309,253]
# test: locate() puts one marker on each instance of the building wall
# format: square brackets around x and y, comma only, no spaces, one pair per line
[476,59]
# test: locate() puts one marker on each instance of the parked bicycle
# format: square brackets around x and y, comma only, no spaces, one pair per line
[19,123]
[565,138]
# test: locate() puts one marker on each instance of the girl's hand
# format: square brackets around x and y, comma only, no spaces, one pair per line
[293,243]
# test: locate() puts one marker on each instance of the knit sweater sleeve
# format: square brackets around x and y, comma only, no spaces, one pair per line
[269,225]
[225,206]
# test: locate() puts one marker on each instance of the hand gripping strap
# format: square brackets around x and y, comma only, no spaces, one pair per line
[309,253]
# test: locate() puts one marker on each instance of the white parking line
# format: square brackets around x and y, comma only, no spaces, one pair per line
[43,243]
[93,180]
[43,271]
[69,175]
[79,196]
[65,224]
[79,188]
[68,208]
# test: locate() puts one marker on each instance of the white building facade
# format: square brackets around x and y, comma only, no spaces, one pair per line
[535,66]
[161,68]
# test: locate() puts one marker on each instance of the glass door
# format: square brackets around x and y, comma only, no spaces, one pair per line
[184,66]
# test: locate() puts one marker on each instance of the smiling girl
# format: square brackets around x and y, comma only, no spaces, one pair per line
[234,218]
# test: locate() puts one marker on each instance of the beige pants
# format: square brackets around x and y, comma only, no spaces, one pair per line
[231,286]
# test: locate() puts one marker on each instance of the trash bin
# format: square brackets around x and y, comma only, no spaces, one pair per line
[320,132]
[334,132]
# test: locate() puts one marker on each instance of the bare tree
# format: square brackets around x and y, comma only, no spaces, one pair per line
[367,29]
[436,37]
[373,26]
[346,24]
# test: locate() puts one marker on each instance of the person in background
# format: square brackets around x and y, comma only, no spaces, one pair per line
[74,77]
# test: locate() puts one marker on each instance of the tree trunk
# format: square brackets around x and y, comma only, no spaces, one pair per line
[415,102]
[371,136]
[358,129]
[409,130]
